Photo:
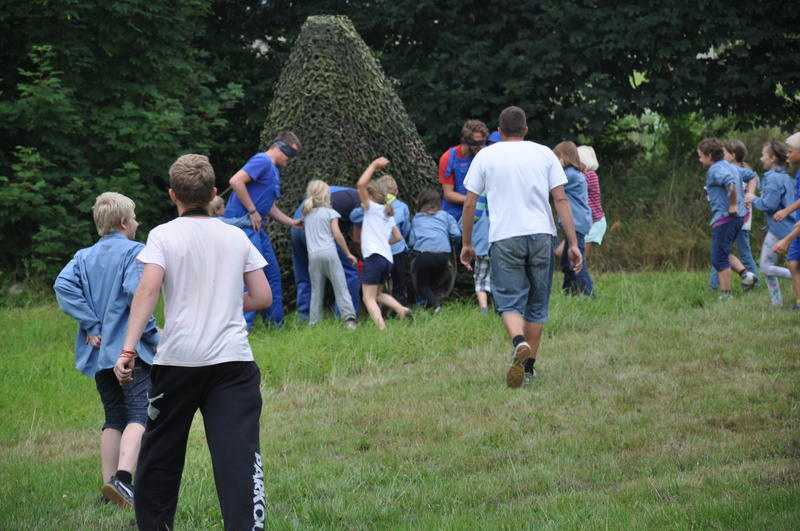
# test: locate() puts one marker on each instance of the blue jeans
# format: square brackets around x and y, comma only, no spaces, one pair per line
[581,282]
[274,313]
[522,275]
[722,238]
[302,280]
[745,255]
[124,404]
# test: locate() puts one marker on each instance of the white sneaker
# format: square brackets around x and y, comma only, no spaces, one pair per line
[748,280]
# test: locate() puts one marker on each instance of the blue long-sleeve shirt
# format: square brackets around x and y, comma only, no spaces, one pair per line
[777,192]
[719,176]
[242,221]
[432,233]
[480,227]
[96,289]
[577,191]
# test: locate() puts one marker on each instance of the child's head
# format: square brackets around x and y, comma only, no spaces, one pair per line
[389,184]
[734,151]
[191,178]
[588,158]
[114,212]
[318,194]
[567,153]
[428,201]
[709,151]
[793,149]
[216,207]
[377,192]
[774,154]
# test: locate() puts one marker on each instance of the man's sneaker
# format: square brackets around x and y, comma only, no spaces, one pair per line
[119,492]
[748,281]
[516,373]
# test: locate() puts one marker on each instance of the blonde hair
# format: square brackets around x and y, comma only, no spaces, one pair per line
[318,194]
[388,183]
[588,158]
[191,177]
[568,153]
[110,211]
[215,204]
[794,141]
[377,192]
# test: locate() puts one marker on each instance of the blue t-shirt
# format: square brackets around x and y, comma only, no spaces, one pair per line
[777,190]
[577,191]
[433,232]
[720,175]
[264,188]
[480,226]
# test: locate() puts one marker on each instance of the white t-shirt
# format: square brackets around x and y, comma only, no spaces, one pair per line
[204,261]
[376,230]
[517,177]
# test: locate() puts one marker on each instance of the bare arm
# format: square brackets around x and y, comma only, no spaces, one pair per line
[564,211]
[375,165]
[780,215]
[396,236]
[144,302]
[259,294]
[449,193]
[337,235]
[467,221]
[239,186]
[278,215]
[783,245]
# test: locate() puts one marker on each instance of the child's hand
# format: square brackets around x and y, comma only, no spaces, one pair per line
[780,247]
[467,256]
[353,259]
[380,162]
[94,340]
[780,215]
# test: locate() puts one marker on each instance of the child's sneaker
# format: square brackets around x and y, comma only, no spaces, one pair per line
[516,373]
[119,492]
[351,324]
[748,280]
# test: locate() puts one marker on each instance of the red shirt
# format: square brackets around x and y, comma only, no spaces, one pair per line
[594,195]
[443,162]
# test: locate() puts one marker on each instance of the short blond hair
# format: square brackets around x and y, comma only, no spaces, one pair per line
[215,204]
[794,141]
[588,157]
[191,177]
[110,211]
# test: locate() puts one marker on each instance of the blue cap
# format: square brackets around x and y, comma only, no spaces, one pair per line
[495,137]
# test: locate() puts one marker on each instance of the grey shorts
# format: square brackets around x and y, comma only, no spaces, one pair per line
[480,273]
[522,275]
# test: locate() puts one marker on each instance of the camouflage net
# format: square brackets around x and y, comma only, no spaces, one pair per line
[334,95]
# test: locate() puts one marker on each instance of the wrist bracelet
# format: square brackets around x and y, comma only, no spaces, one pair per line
[251,212]
[127,353]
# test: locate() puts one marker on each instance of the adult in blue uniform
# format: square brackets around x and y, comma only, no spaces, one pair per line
[343,201]
[454,164]
[256,187]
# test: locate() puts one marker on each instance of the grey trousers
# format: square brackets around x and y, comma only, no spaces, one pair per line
[323,266]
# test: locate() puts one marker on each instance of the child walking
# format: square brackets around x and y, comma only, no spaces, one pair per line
[432,230]
[481,267]
[588,158]
[322,235]
[96,288]
[576,190]
[204,360]
[777,191]
[377,232]
[793,255]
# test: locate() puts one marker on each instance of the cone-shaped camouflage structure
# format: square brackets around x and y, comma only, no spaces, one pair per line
[334,95]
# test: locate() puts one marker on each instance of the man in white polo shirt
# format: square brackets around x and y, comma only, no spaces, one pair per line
[518,177]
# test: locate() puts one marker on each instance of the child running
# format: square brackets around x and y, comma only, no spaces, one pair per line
[322,235]
[204,360]
[777,191]
[432,230]
[96,288]
[402,217]
[793,255]
[377,232]
[577,193]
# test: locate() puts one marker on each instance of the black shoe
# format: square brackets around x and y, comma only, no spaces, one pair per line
[119,492]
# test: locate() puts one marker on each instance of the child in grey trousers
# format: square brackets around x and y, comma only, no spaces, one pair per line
[322,234]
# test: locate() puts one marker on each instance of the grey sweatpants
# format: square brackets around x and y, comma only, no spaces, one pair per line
[323,266]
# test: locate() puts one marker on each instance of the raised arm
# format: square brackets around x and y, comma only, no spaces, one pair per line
[361,185]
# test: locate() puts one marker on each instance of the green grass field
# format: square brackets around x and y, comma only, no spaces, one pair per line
[655,406]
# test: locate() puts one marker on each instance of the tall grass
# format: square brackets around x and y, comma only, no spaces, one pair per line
[655,406]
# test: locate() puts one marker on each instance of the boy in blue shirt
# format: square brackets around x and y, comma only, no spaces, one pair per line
[481,268]
[96,288]
[727,202]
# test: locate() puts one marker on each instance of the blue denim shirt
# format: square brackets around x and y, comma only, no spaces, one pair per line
[96,288]
[242,222]
[720,175]
[433,233]
[777,192]
[577,190]
[402,218]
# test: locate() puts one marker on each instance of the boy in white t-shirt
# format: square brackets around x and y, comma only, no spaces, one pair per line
[518,178]
[204,360]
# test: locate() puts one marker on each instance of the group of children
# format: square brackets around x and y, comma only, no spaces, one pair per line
[730,188]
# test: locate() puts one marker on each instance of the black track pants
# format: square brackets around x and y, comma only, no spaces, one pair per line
[229,398]
[429,268]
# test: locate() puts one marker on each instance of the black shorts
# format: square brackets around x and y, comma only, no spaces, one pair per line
[376,270]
